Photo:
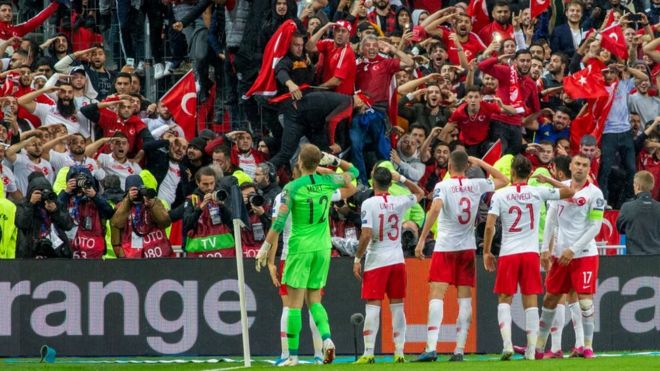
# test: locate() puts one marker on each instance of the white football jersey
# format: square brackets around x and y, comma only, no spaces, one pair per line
[573,217]
[519,209]
[23,167]
[384,215]
[460,203]
[122,170]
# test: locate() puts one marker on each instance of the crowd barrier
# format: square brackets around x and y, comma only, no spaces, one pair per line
[190,307]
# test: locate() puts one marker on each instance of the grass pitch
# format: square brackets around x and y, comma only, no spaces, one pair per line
[606,362]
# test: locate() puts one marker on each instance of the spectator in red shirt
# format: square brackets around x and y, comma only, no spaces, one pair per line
[540,154]
[472,119]
[470,43]
[338,58]
[500,28]
[8,30]
[589,147]
[505,126]
[123,120]
[383,16]
[437,169]
[243,154]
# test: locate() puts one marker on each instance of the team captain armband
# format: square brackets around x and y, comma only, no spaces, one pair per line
[596,213]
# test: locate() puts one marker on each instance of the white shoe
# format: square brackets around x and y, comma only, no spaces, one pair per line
[158,71]
[292,361]
[328,351]
[169,66]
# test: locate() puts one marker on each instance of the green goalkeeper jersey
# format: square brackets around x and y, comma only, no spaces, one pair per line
[308,199]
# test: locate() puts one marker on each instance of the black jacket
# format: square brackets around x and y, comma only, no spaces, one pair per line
[31,218]
[157,161]
[639,220]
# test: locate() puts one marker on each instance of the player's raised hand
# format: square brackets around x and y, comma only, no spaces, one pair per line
[490,262]
[262,256]
[566,257]
[329,160]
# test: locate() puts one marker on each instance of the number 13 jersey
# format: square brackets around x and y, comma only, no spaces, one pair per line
[384,215]
[460,202]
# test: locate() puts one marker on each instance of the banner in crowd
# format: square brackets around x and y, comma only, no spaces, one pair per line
[191,307]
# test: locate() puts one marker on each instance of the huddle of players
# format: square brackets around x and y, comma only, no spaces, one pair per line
[568,252]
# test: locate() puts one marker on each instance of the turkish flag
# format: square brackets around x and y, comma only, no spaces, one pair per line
[536,7]
[494,153]
[181,100]
[587,83]
[478,11]
[591,120]
[608,232]
[613,40]
[276,49]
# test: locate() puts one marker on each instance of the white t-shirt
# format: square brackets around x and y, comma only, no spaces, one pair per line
[574,216]
[519,209]
[122,170]
[460,203]
[49,115]
[8,179]
[23,167]
[384,215]
[92,166]
[59,160]
[167,188]
[85,125]
[247,163]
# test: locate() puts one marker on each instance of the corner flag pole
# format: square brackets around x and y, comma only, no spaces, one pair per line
[238,223]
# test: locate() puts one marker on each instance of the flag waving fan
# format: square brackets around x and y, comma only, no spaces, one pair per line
[276,49]
[181,100]
[613,40]
[587,83]
[478,11]
[536,7]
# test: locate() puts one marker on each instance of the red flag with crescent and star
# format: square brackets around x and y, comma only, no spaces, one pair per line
[613,40]
[478,11]
[587,83]
[181,100]
[537,7]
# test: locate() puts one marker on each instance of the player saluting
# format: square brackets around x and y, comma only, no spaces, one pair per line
[519,208]
[308,199]
[456,200]
[575,256]
[384,267]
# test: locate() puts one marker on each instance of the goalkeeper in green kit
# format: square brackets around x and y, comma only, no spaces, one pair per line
[308,199]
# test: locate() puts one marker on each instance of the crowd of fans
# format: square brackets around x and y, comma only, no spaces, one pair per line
[92,168]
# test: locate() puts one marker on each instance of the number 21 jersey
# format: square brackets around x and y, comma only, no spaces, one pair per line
[460,203]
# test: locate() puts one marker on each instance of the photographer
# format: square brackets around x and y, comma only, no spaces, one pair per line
[259,217]
[42,223]
[89,211]
[206,221]
[138,226]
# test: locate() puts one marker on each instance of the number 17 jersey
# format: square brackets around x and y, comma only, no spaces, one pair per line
[309,198]
[460,202]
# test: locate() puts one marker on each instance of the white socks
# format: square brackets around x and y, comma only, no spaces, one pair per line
[284,342]
[547,317]
[463,323]
[316,337]
[433,325]
[587,307]
[576,318]
[371,324]
[532,329]
[504,320]
[557,328]
[398,328]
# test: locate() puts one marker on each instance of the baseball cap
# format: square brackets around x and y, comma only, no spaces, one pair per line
[77,69]
[363,26]
[588,140]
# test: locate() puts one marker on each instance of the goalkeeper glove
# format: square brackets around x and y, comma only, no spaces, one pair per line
[329,160]
[262,255]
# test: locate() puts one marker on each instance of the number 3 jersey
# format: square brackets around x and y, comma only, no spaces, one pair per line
[383,214]
[519,209]
[460,201]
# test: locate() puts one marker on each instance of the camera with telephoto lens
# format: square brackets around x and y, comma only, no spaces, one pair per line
[220,195]
[256,199]
[48,195]
[147,193]
[83,182]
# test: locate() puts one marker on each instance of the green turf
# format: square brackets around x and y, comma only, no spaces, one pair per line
[487,363]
